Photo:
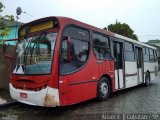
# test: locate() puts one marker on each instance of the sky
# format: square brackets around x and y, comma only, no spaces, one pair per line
[143,16]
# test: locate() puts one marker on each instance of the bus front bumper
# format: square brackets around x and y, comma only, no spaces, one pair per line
[48,97]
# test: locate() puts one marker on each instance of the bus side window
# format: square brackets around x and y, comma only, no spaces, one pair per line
[144,50]
[101,46]
[155,55]
[145,54]
[151,55]
[75,51]
[129,52]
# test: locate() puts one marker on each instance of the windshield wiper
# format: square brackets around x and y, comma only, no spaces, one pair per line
[37,45]
[26,53]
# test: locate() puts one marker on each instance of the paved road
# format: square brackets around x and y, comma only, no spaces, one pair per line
[137,100]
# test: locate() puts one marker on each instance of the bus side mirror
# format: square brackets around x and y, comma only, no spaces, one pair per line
[70,48]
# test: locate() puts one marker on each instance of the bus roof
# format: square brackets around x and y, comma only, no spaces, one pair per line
[133,41]
[70,20]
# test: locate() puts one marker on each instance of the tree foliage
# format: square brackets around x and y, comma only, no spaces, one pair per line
[122,29]
[4,21]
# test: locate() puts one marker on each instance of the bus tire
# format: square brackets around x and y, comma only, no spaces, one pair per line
[103,89]
[147,79]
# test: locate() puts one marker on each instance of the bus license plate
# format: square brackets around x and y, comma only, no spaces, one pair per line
[23,95]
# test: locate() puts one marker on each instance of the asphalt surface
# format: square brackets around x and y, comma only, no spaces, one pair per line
[140,100]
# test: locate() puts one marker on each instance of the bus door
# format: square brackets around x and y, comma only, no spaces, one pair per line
[77,81]
[139,65]
[119,65]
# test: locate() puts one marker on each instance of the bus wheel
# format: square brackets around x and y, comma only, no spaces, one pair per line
[103,89]
[147,79]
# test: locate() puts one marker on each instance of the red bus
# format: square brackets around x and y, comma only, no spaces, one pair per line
[60,61]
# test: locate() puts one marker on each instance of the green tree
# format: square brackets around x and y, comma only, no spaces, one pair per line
[122,29]
[4,20]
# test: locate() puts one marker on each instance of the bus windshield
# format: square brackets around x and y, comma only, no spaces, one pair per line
[34,54]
